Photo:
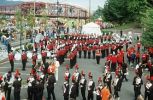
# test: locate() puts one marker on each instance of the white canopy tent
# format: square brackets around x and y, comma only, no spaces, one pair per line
[91,28]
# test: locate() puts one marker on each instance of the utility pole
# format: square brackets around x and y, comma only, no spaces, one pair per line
[57,17]
[89,9]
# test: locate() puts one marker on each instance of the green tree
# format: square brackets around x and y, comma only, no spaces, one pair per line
[30,19]
[116,11]
[137,8]
[147,36]
[98,13]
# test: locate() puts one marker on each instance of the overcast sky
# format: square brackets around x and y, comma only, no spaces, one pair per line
[81,3]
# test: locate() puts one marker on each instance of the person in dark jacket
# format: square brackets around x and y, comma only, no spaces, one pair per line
[83,83]
[91,86]
[50,86]
[137,82]
[17,88]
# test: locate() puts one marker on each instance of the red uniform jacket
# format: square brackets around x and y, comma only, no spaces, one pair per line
[114,59]
[11,56]
[43,53]
[34,56]
[24,56]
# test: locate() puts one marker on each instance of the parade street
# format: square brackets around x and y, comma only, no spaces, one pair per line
[127,92]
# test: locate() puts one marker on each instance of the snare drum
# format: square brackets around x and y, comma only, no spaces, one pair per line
[29,55]
[39,56]
[48,54]
[17,56]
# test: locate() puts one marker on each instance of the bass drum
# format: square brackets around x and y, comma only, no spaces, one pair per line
[17,56]
[48,54]
[39,56]
[29,55]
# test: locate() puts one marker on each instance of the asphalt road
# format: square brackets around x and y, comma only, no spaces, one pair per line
[87,65]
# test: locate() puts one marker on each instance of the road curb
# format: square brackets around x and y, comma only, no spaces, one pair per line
[4,60]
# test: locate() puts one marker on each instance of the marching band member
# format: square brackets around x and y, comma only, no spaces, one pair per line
[8,79]
[148,89]
[34,58]
[67,73]
[24,59]
[30,79]
[73,90]
[108,79]
[124,71]
[85,48]
[83,82]
[44,55]
[113,62]
[94,48]
[77,78]
[98,54]
[17,85]
[51,81]
[91,86]
[98,89]
[137,82]
[11,59]
[66,88]
[116,86]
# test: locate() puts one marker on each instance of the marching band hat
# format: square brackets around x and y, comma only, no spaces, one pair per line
[76,66]
[82,73]
[67,66]
[90,74]
[99,79]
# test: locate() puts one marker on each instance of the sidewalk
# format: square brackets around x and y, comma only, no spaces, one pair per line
[3,49]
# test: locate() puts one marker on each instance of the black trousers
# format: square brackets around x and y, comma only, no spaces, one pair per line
[16,95]
[116,92]
[29,90]
[113,67]
[89,54]
[107,52]
[8,93]
[44,60]
[85,53]
[147,95]
[137,60]
[24,64]
[98,97]
[83,90]
[50,92]
[80,54]
[77,89]
[109,86]
[98,59]
[90,95]
[137,91]
[124,77]
[12,65]
[103,53]
[66,97]
[93,53]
